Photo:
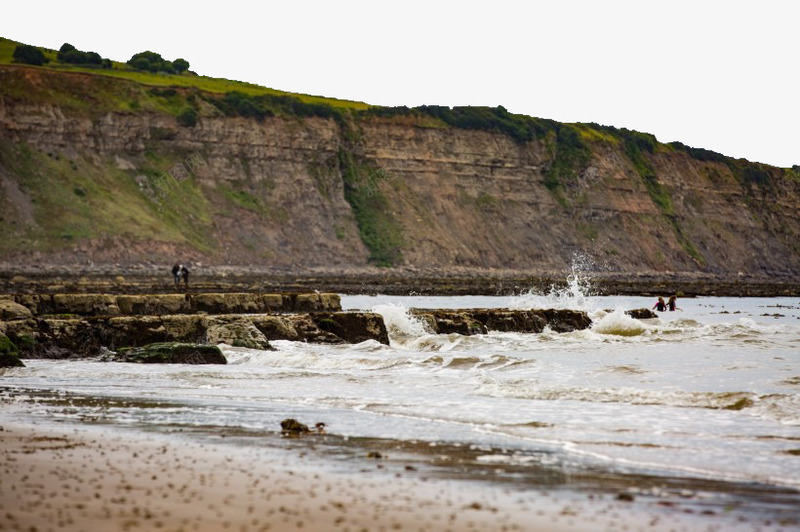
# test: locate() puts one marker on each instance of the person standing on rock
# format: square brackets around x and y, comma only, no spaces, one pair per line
[180,271]
[185,275]
[176,274]
[660,305]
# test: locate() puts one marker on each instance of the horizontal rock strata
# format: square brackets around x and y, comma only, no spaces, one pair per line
[482,189]
[67,279]
[158,304]
[91,336]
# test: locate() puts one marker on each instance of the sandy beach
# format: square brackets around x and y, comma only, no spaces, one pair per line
[68,478]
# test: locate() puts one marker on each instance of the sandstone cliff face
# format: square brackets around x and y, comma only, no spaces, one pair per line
[478,199]
[116,185]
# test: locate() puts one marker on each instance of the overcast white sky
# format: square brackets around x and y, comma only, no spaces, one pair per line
[720,75]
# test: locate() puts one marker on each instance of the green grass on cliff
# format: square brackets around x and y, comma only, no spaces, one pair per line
[636,146]
[379,230]
[572,155]
[69,196]
[186,80]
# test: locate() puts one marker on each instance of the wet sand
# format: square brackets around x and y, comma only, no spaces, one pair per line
[67,478]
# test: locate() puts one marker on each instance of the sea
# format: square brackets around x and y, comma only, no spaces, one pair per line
[697,409]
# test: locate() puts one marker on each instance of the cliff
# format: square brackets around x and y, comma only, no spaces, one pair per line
[99,170]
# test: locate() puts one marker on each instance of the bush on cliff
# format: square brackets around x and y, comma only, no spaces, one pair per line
[153,62]
[188,117]
[70,54]
[180,65]
[572,157]
[235,103]
[699,154]
[747,173]
[29,55]
[519,127]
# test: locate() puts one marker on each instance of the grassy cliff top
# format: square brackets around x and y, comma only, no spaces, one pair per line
[123,88]
[161,79]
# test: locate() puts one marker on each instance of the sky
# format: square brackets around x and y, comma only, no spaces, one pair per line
[719,75]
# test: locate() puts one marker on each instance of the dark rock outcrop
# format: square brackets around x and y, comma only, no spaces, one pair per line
[170,353]
[641,313]
[153,305]
[65,337]
[352,327]
[480,321]
[292,427]
[10,361]
[237,333]
[9,354]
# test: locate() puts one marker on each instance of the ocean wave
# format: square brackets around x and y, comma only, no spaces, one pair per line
[781,407]
[626,369]
[369,355]
[401,325]
[490,362]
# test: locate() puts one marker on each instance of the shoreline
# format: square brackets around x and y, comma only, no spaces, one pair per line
[85,478]
[94,478]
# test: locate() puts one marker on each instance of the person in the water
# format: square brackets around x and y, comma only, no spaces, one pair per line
[672,304]
[660,305]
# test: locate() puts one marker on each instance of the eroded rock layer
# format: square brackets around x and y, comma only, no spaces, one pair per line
[121,180]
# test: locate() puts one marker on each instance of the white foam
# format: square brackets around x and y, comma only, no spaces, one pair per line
[620,324]
[401,325]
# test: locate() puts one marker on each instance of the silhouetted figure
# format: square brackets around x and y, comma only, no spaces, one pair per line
[176,274]
[180,271]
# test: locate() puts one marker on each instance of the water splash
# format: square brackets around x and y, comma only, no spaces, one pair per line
[574,296]
[401,325]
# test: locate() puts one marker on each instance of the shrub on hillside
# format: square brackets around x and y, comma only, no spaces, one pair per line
[153,62]
[69,54]
[699,154]
[519,127]
[188,117]
[180,65]
[235,103]
[29,55]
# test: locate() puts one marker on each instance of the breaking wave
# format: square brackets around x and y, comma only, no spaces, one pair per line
[401,325]
[618,323]
[781,407]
